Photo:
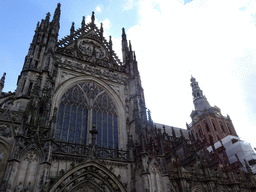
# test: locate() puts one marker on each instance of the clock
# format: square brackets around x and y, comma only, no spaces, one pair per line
[195,118]
[217,114]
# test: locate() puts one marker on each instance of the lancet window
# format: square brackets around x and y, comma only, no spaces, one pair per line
[229,128]
[214,126]
[200,131]
[82,106]
[206,126]
[222,127]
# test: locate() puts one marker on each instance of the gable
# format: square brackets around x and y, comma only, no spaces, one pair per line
[89,45]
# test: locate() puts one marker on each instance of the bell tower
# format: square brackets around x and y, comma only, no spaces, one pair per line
[207,122]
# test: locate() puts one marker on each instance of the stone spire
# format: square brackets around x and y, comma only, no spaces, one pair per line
[83,24]
[199,100]
[72,31]
[101,31]
[93,18]
[56,16]
[124,46]
[2,83]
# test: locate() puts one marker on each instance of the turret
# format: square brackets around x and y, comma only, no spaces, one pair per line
[199,100]
[56,20]
[93,20]
[2,83]
[124,46]
[83,24]
[101,31]
[72,30]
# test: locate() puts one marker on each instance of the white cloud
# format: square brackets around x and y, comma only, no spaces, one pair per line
[106,24]
[129,4]
[212,39]
[98,9]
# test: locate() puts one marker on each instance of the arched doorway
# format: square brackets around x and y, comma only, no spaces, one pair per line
[88,177]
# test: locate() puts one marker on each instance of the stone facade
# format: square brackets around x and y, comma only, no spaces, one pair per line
[78,122]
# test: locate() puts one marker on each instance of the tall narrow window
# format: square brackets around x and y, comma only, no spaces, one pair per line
[30,88]
[200,131]
[229,129]
[28,169]
[39,51]
[72,118]
[36,64]
[214,126]
[105,119]
[30,62]
[206,126]
[23,85]
[222,127]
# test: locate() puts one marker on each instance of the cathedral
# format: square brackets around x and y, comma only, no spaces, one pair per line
[78,122]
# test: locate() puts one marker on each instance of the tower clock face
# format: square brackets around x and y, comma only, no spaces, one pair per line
[217,114]
[196,118]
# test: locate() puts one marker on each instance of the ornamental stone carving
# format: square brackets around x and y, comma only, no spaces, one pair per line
[90,47]
[5,131]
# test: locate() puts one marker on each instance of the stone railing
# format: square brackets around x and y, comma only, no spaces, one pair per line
[72,149]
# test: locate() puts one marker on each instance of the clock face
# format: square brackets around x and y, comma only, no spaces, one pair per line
[196,118]
[217,114]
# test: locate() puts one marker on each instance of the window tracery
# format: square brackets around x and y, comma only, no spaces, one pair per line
[28,169]
[84,103]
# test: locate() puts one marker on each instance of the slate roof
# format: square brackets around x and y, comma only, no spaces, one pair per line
[168,130]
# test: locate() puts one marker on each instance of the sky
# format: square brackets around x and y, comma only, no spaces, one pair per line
[213,40]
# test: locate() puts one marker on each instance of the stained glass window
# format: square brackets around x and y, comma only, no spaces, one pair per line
[115,132]
[99,128]
[80,103]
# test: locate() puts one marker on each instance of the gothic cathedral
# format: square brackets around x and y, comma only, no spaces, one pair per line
[78,122]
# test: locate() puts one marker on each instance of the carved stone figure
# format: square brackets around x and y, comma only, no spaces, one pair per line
[5,131]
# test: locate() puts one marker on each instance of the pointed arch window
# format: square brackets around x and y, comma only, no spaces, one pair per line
[28,170]
[229,129]
[207,126]
[200,131]
[214,125]
[222,127]
[82,104]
